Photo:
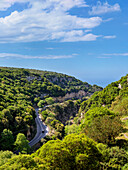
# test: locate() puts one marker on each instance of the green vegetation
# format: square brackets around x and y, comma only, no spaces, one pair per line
[69,129]
[7,140]
[21,144]
[96,112]
[20,91]
[120,106]
[84,134]
[69,83]
[76,152]
[5,156]
[104,129]
[57,115]
[107,95]
[47,101]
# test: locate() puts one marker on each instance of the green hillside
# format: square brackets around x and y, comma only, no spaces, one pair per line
[69,83]
[109,94]
[80,131]
[20,91]
[103,117]
[76,152]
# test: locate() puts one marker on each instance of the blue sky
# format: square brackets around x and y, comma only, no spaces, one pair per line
[86,39]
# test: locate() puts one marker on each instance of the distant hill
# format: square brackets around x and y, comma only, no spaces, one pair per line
[69,83]
[115,91]
[21,89]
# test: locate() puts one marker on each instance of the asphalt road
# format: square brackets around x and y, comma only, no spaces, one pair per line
[41,130]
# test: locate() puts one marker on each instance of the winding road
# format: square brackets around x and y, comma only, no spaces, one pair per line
[42,130]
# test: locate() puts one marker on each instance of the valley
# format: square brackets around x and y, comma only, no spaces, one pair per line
[44,114]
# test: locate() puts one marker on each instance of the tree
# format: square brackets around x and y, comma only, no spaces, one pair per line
[125,167]
[49,100]
[117,158]
[7,140]
[21,143]
[96,112]
[41,103]
[84,162]
[5,156]
[74,152]
[20,162]
[71,129]
[55,155]
[28,119]
[44,115]
[121,107]
[104,129]
[55,122]
[80,144]
[112,158]
[36,99]
[6,113]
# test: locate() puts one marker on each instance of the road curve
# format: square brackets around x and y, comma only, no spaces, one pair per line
[40,127]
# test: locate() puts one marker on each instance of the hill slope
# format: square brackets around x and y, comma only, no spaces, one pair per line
[69,83]
[18,90]
[109,94]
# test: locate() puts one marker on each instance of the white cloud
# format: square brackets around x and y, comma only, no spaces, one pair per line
[7,55]
[116,54]
[104,8]
[68,4]
[107,20]
[46,20]
[5,4]
[110,37]
[75,38]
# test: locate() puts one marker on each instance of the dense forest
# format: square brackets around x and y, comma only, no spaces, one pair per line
[90,132]
[69,83]
[20,91]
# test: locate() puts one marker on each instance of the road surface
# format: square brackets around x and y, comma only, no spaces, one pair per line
[42,130]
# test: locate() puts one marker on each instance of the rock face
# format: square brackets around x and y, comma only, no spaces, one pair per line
[71,87]
[30,78]
[77,95]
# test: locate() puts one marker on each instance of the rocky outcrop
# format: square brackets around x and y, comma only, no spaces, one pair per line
[79,95]
[30,78]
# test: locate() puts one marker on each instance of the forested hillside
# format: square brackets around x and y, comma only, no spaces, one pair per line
[69,83]
[113,92]
[104,116]
[84,133]
[75,152]
[20,91]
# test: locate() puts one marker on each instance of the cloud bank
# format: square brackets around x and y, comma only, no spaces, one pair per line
[46,20]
